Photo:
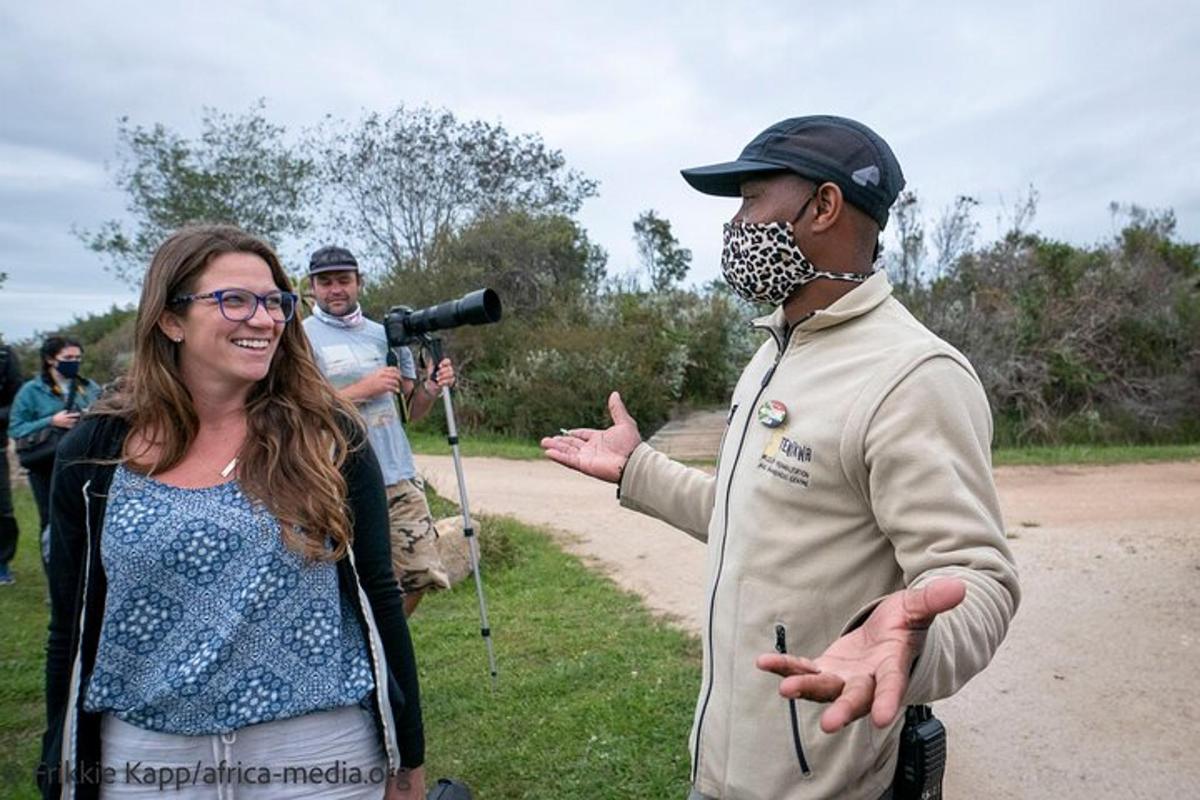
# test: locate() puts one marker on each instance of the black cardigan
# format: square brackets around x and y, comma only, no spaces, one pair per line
[102,437]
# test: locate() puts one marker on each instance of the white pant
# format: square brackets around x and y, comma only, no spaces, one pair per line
[326,754]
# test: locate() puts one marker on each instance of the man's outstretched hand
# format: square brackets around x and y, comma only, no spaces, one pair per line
[867,669]
[601,454]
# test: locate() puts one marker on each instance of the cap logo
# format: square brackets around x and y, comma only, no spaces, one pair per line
[866,175]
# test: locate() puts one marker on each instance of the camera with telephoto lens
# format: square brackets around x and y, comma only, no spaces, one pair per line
[405,326]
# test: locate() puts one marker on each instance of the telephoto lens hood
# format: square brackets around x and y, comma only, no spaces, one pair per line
[404,325]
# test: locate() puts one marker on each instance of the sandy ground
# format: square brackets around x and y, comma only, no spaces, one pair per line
[1094,693]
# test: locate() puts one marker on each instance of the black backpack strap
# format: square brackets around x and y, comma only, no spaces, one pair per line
[70,406]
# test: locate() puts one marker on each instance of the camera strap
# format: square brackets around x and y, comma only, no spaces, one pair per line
[401,398]
[422,361]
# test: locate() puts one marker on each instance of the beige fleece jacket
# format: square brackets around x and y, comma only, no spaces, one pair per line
[878,478]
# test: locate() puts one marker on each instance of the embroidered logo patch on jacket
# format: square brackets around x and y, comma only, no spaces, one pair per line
[786,459]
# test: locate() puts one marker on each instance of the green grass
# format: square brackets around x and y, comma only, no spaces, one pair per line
[23,618]
[1094,454]
[428,443]
[433,443]
[594,698]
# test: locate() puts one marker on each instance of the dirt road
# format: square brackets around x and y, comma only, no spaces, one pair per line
[1093,695]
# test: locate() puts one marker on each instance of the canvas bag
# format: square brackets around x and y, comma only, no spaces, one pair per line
[36,451]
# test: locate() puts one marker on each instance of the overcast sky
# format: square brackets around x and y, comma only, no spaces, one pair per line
[1089,102]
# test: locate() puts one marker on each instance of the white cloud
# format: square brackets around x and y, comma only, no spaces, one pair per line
[29,311]
[1088,101]
[34,169]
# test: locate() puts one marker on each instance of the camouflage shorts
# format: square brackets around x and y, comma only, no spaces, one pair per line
[415,558]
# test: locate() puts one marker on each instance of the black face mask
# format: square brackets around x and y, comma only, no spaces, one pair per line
[68,369]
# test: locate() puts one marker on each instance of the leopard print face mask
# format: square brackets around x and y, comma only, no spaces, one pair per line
[762,263]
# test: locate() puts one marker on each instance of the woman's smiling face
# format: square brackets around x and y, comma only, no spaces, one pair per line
[216,353]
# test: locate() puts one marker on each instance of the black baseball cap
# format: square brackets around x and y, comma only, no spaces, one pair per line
[330,259]
[821,148]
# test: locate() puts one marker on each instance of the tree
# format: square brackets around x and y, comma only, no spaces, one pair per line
[954,234]
[239,171]
[1077,344]
[1017,218]
[539,264]
[107,339]
[910,236]
[665,262]
[405,180]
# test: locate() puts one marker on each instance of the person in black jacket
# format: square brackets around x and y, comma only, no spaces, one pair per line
[221,584]
[10,382]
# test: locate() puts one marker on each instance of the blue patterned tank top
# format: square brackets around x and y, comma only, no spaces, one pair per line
[211,622]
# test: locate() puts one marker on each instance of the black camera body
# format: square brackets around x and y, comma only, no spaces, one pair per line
[404,326]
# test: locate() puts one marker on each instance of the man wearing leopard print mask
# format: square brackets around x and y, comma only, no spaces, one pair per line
[857,561]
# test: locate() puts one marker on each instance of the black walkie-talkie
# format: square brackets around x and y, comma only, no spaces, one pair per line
[922,761]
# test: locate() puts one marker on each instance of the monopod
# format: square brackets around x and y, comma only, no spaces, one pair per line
[405,326]
[435,348]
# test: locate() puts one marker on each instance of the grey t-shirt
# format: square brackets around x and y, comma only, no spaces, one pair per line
[346,355]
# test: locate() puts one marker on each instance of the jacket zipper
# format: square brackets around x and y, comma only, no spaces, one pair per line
[379,669]
[67,748]
[391,741]
[781,343]
[724,436]
[781,647]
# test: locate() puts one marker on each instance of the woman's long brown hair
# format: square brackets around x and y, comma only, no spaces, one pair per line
[296,437]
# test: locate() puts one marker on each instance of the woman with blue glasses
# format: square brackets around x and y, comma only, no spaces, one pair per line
[219,544]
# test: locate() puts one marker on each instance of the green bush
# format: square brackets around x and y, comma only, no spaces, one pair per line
[566,341]
[1079,345]
[107,340]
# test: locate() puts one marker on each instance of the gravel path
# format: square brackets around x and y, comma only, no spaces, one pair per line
[1093,694]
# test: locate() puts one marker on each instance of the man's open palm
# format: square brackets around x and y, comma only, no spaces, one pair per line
[866,671]
[601,454]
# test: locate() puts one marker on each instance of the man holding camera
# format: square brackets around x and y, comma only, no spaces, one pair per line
[856,553]
[352,351]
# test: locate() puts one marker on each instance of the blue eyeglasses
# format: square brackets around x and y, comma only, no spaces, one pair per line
[239,305]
